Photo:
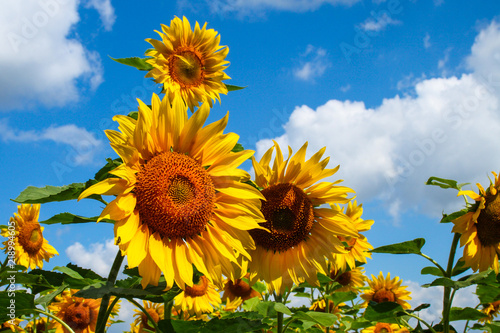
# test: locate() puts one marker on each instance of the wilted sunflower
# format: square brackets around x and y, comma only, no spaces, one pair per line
[189,63]
[238,291]
[480,228]
[386,290]
[140,324]
[78,313]
[491,310]
[303,236]
[197,300]
[31,248]
[357,247]
[180,200]
[382,328]
[350,280]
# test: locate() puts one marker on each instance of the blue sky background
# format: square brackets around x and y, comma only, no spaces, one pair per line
[397,90]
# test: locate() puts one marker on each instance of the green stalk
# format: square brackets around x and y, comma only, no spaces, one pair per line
[48,314]
[420,319]
[168,309]
[434,262]
[102,318]
[447,290]
[279,329]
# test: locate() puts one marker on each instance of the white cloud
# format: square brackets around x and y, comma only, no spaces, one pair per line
[345,88]
[105,10]
[39,60]
[313,64]
[248,7]
[97,257]
[427,41]
[83,143]
[378,23]
[445,129]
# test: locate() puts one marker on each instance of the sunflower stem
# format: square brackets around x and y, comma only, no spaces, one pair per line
[279,299]
[423,321]
[447,290]
[168,309]
[102,317]
[150,319]
[48,314]
[434,262]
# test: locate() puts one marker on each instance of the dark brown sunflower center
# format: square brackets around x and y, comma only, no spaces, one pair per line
[384,295]
[186,68]
[382,328]
[289,217]
[31,238]
[175,195]
[78,316]
[198,289]
[344,278]
[40,326]
[239,288]
[488,221]
[145,319]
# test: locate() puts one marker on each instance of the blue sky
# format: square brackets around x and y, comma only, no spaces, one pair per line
[397,91]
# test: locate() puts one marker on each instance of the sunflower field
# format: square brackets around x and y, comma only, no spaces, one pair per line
[210,247]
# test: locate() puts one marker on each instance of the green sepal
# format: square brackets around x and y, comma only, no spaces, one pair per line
[139,63]
[447,218]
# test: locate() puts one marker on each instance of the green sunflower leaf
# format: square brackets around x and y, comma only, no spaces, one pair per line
[341,297]
[450,217]
[215,325]
[465,314]
[280,307]
[111,165]
[133,115]
[493,327]
[237,148]
[14,304]
[49,193]
[47,299]
[68,218]
[231,87]
[444,183]
[488,293]
[377,312]
[413,246]
[324,319]
[461,283]
[431,270]
[139,63]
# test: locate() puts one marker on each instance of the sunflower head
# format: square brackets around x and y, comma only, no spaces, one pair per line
[199,299]
[480,227]
[179,194]
[189,63]
[383,328]
[238,291]
[39,325]
[491,310]
[141,322]
[384,289]
[31,248]
[350,280]
[13,325]
[303,236]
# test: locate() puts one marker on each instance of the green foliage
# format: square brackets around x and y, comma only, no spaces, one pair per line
[445,183]
[231,87]
[465,314]
[136,62]
[68,218]
[413,246]
[49,193]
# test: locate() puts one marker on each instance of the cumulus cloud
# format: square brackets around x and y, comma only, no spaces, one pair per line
[105,10]
[247,7]
[313,64]
[445,129]
[379,22]
[39,60]
[84,143]
[97,257]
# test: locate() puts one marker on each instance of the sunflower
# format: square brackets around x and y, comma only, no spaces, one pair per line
[31,249]
[189,63]
[78,313]
[238,291]
[180,200]
[197,300]
[357,247]
[13,325]
[350,280]
[480,228]
[386,290]
[302,235]
[320,306]
[40,325]
[140,324]
[491,310]
[383,328]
